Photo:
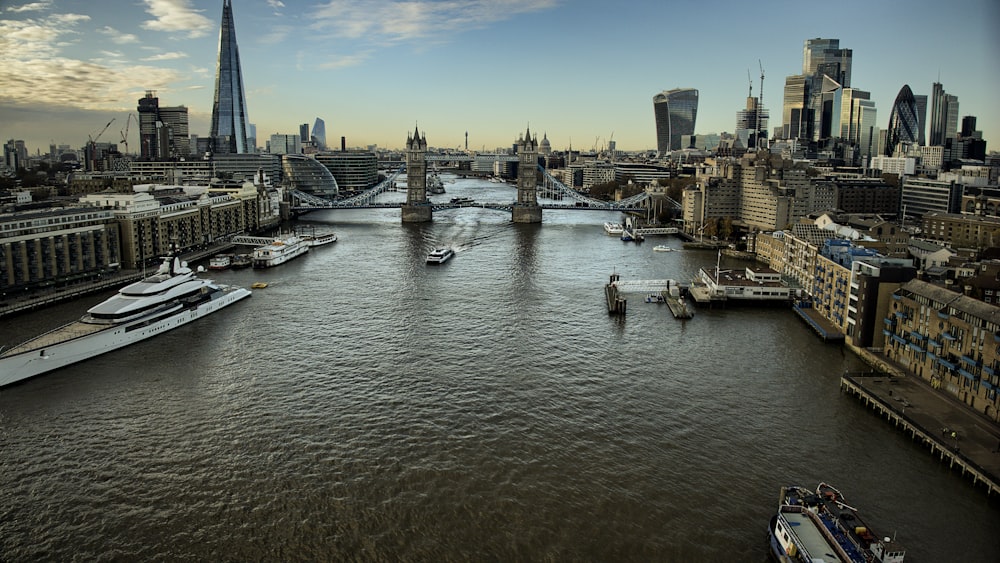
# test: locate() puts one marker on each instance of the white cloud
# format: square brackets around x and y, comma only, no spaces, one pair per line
[399,20]
[35,71]
[344,61]
[276,5]
[176,15]
[117,36]
[30,7]
[166,56]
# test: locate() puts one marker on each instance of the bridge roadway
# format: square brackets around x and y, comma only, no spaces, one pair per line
[365,200]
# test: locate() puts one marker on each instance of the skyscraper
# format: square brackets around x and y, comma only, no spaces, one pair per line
[163,131]
[319,134]
[304,132]
[944,115]
[812,107]
[903,122]
[229,112]
[675,112]
[921,118]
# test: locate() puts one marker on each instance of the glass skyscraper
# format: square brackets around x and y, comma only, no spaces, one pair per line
[319,133]
[229,112]
[944,115]
[675,112]
[903,121]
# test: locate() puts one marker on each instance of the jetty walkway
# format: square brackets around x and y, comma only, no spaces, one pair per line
[967,441]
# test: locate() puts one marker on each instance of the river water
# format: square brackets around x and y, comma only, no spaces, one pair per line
[367,406]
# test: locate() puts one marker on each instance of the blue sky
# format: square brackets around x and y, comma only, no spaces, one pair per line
[581,71]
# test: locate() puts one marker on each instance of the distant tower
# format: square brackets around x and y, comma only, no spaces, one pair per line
[526,209]
[903,122]
[416,209]
[319,133]
[229,112]
[466,141]
[675,112]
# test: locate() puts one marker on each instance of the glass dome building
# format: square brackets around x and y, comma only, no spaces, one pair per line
[307,175]
[903,123]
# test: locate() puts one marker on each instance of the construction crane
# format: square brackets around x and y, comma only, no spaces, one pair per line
[760,100]
[92,145]
[124,132]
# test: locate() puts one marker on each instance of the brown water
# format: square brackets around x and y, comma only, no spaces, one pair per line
[366,406]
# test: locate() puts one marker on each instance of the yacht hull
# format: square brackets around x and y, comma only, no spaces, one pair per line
[78,341]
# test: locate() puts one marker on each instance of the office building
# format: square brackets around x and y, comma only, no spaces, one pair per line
[812,107]
[229,112]
[944,115]
[353,170]
[675,112]
[307,175]
[921,101]
[903,122]
[319,134]
[285,144]
[751,124]
[304,133]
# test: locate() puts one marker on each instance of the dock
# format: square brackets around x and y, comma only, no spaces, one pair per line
[962,439]
[616,304]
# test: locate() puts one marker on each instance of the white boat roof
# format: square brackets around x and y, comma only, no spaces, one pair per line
[812,539]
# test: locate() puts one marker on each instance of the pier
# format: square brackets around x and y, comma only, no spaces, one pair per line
[667,291]
[961,438]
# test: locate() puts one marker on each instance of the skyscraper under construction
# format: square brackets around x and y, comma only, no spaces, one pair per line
[229,112]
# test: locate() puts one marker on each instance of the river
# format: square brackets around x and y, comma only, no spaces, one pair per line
[367,406]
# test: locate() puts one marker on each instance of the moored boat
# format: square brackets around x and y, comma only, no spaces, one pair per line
[614,228]
[320,239]
[241,261]
[220,262]
[819,525]
[281,250]
[171,297]
[440,255]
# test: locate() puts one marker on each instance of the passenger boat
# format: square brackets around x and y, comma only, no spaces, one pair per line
[280,250]
[440,255]
[462,200]
[220,262]
[434,184]
[171,297]
[320,239]
[614,228]
[819,525]
[241,261]
[662,248]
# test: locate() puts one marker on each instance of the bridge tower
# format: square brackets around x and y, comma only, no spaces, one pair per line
[417,208]
[526,209]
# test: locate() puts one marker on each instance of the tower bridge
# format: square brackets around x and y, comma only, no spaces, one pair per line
[417,208]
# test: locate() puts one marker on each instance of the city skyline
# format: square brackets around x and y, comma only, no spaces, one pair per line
[372,70]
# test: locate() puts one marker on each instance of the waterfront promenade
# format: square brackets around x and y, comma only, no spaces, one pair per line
[963,439]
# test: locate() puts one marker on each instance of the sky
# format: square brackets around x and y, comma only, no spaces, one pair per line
[580,72]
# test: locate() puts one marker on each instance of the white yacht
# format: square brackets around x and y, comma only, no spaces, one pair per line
[172,297]
[280,250]
[440,255]
[615,229]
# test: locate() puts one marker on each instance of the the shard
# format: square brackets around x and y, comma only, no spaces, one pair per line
[229,112]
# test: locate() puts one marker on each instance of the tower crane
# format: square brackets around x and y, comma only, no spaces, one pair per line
[92,145]
[124,132]
[760,100]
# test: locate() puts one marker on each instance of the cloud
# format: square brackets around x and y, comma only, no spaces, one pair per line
[166,56]
[31,7]
[276,5]
[176,15]
[344,61]
[380,21]
[36,72]
[117,36]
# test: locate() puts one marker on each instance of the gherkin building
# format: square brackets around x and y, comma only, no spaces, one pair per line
[903,123]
